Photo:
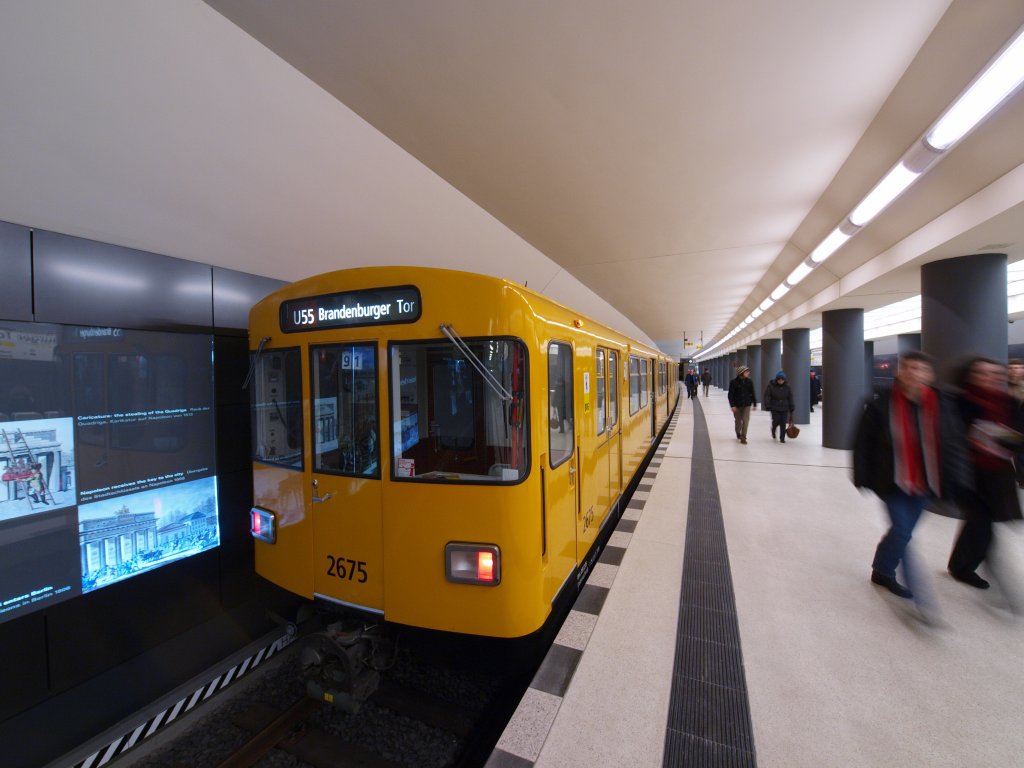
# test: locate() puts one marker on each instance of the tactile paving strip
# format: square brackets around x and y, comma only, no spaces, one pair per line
[709,722]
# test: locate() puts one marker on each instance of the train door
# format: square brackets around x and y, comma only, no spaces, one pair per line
[562,471]
[654,399]
[345,505]
[594,458]
[614,429]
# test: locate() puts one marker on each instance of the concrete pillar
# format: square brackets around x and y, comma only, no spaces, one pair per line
[796,362]
[730,373]
[908,342]
[741,357]
[869,368]
[754,362]
[771,361]
[963,310]
[842,365]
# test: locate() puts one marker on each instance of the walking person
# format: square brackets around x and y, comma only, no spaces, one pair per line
[993,425]
[741,398]
[907,449]
[1015,378]
[705,379]
[815,390]
[778,398]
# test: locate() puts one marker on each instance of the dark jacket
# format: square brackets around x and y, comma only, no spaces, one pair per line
[741,392]
[778,397]
[874,467]
[705,377]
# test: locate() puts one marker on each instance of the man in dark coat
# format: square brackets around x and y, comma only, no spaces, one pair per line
[907,450]
[815,390]
[705,379]
[778,398]
[741,398]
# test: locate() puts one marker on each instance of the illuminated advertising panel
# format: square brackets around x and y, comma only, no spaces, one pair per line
[107,452]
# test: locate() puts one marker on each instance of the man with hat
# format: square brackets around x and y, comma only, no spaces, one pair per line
[741,398]
[778,398]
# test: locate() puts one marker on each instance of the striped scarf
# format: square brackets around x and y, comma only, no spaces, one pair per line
[913,476]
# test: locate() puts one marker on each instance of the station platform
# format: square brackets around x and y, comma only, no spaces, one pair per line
[731,622]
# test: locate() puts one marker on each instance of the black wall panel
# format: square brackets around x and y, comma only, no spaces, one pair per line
[97,631]
[22,664]
[88,283]
[16,268]
[70,671]
[234,293]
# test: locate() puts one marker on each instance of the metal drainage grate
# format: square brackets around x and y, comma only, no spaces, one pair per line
[709,712]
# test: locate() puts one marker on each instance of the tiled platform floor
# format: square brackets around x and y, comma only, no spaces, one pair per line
[839,673]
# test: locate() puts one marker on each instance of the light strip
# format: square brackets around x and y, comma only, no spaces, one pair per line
[998,81]
[779,292]
[803,269]
[887,190]
[829,245]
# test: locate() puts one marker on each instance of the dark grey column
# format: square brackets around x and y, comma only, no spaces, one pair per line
[754,361]
[908,342]
[771,360]
[869,368]
[730,372]
[963,309]
[842,368]
[741,358]
[796,362]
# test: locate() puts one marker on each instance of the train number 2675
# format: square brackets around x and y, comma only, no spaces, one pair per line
[344,568]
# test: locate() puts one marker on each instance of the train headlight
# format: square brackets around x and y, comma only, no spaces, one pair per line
[263,525]
[473,564]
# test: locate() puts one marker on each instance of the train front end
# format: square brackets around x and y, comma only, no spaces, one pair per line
[393,470]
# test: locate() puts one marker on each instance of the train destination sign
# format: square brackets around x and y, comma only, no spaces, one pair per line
[378,306]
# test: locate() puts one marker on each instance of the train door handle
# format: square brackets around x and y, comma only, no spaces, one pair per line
[320,499]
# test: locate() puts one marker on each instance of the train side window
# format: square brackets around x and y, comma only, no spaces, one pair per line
[642,384]
[601,412]
[613,388]
[561,434]
[634,384]
[346,437]
[277,408]
[458,414]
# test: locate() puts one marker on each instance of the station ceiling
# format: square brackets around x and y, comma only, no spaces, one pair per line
[678,159]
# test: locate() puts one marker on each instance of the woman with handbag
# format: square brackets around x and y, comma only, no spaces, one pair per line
[778,398]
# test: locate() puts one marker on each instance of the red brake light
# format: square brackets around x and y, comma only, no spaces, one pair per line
[485,566]
[263,525]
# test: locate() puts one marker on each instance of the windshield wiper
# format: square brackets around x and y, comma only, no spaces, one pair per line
[489,377]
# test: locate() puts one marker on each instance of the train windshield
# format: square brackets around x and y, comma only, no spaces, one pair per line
[457,411]
[277,407]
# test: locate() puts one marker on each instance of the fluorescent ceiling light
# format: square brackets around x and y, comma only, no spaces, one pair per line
[764,305]
[887,190]
[802,270]
[829,245]
[779,292]
[997,82]
[757,313]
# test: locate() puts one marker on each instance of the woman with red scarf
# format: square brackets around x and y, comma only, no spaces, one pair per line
[896,454]
[993,436]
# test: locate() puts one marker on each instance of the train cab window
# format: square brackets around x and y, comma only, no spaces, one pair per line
[634,384]
[457,411]
[277,407]
[601,411]
[346,437]
[561,436]
[613,388]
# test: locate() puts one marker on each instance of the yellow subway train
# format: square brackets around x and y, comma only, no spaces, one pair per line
[442,449]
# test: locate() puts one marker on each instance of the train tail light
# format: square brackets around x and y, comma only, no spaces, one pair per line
[263,525]
[473,564]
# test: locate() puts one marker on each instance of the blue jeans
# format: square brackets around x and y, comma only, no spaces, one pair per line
[904,512]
